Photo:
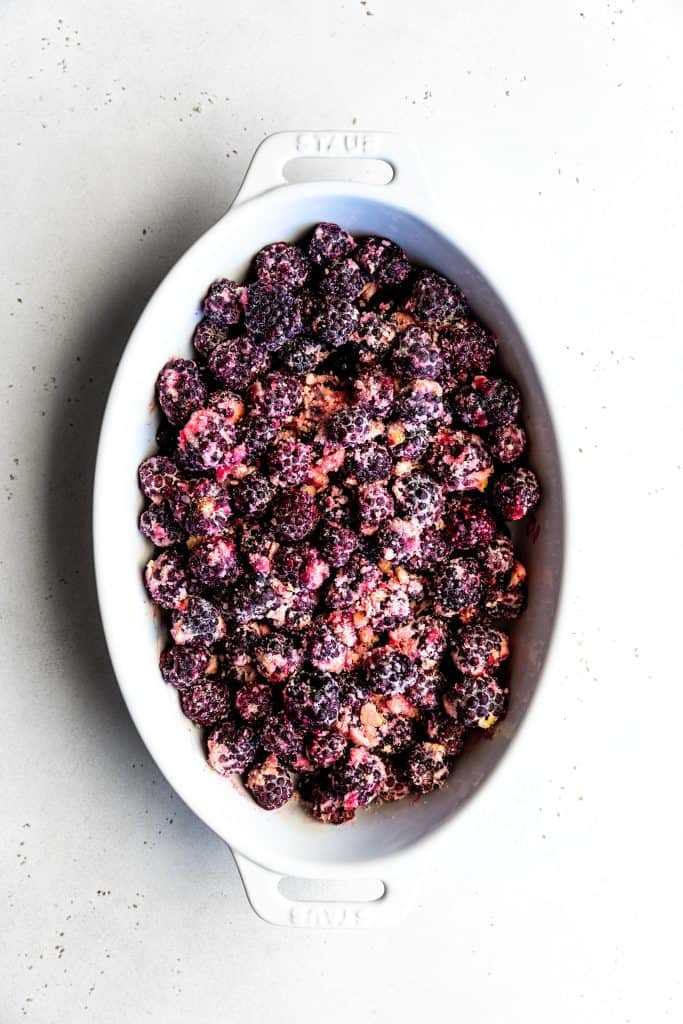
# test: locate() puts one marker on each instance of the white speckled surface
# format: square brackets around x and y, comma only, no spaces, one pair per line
[553,132]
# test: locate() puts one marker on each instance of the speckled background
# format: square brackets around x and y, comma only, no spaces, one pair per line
[552,133]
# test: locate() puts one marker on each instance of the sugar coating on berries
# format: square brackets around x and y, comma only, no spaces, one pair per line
[159,476]
[326,749]
[273,314]
[479,649]
[295,514]
[302,354]
[207,335]
[496,558]
[186,665]
[434,300]
[419,497]
[516,493]
[224,302]
[341,279]
[197,621]
[279,735]
[158,525]
[275,397]
[312,700]
[368,463]
[204,508]
[237,361]
[289,461]
[214,562]
[205,703]
[507,443]
[487,402]
[389,671]
[373,390]
[477,702]
[460,460]
[335,321]
[375,506]
[372,337]
[416,354]
[282,265]
[469,522]
[468,348]
[232,747]
[358,779]
[205,439]
[329,242]
[427,767]
[277,657]
[383,261]
[166,579]
[336,544]
[253,495]
[180,389]
[349,426]
[270,784]
[457,586]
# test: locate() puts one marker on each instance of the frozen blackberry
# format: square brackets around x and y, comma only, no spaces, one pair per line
[508,443]
[496,558]
[158,478]
[224,302]
[253,495]
[302,354]
[388,671]
[469,523]
[180,389]
[312,701]
[428,686]
[436,301]
[275,397]
[256,434]
[447,731]
[323,804]
[159,526]
[277,657]
[479,649]
[280,736]
[295,610]
[349,426]
[399,541]
[516,493]
[232,748]
[397,733]
[238,651]
[476,702]
[272,314]
[427,767]
[328,242]
[396,785]
[468,348]
[383,261]
[238,361]
[420,403]
[282,266]
[336,544]
[213,562]
[295,515]
[487,402]
[229,404]
[185,666]
[166,579]
[205,703]
[325,650]
[460,460]
[335,321]
[252,597]
[416,355]
[388,606]
[419,497]
[301,566]
[197,621]
[205,508]
[325,749]
[270,784]
[373,390]
[341,279]
[204,440]
[289,461]
[375,506]
[407,441]
[507,600]
[254,701]
[357,779]
[368,463]
[372,337]
[434,549]
[207,335]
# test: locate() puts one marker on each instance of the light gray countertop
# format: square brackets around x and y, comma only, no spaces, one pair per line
[552,133]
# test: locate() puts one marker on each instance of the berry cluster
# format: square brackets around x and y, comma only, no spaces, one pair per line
[328,507]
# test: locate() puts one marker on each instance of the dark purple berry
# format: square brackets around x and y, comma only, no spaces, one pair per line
[159,477]
[389,671]
[289,462]
[270,784]
[428,686]
[326,749]
[295,515]
[185,666]
[166,579]
[213,562]
[460,460]
[349,426]
[496,558]
[180,389]
[207,335]
[277,657]
[469,523]
[420,403]
[383,261]
[275,397]
[476,702]
[507,600]
[325,650]
[427,767]
[335,321]
[272,314]
[280,736]
[232,748]
[312,701]
[205,703]
[282,266]
[468,348]
[447,731]
[302,354]
[368,463]
[419,497]
[253,495]
[159,526]
[416,355]
[516,493]
[375,506]
[508,443]
[372,337]
[329,242]
[373,390]
[197,621]
[358,779]
[203,508]
[478,650]
[341,279]
[399,541]
[436,301]
[254,701]
[236,362]
[487,402]
[336,544]
[224,302]
[228,404]
[252,598]
[204,441]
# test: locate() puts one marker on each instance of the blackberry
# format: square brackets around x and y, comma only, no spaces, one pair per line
[335,321]
[325,650]
[166,580]
[325,749]
[272,314]
[254,701]
[158,478]
[516,493]
[229,404]
[224,302]
[508,443]
[180,390]
[375,506]
[397,733]
[204,440]
[324,805]
[420,403]
[355,692]
[479,649]
[336,544]
[213,562]
[289,462]
[277,657]
[447,731]
[301,566]
[357,779]
[487,402]
[312,701]
[197,621]
[207,335]
[349,426]
[270,784]
[496,558]
[507,601]
[372,338]
[477,702]
[460,460]
[256,434]
[275,397]
[204,508]
[205,703]
[252,597]
[185,666]
[468,348]
[258,546]
[399,541]
[388,606]
[237,361]
[368,463]
[296,609]
[419,497]
[427,767]
[282,266]
[329,242]
[432,638]
[396,785]
[373,390]
[436,301]
[469,523]
[352,582]
[159,526]
[232,748]
[434,549]
[302,354]
[428,686]
[295,515]
[388,671]
[383,261]
[238,659]
[253,495]
[280,736]
[416,355]
[407,441]
[341,279]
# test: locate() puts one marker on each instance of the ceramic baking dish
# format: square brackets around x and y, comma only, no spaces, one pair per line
[388,842]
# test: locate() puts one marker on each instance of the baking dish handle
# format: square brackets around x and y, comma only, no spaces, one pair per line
[266,170]
[263,892]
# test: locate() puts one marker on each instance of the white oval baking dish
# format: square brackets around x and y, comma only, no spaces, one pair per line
[386,842]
